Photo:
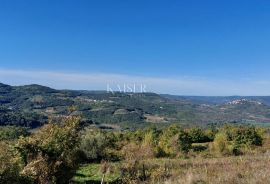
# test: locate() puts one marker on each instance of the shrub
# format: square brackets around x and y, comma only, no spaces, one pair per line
[197,135]
[221,144]
[98,145]
[93,145]
[132,172]
[246,136]
[174,140]
[10,165]
[184,141]
[134,151]
[236,139]
[12,132]
[50,154]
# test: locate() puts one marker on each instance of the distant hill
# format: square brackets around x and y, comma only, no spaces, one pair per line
[33,105]
[218,99]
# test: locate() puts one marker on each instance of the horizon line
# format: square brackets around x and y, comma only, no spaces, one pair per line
[181,86]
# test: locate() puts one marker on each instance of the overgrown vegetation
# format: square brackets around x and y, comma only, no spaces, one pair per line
[49,155]
[62,153]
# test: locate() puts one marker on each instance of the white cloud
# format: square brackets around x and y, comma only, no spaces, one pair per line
[99,81]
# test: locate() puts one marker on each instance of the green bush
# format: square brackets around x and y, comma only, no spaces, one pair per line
[174,140]
[50,154]
[12,132]
[235,139]
[98,145]
[246,136]
[197,135]
[221,144]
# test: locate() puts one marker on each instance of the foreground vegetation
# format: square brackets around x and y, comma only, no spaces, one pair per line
[224,170]
[66,152]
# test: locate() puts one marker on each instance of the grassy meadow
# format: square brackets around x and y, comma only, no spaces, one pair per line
[224,170]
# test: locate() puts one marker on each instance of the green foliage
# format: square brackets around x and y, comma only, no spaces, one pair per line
[98,145]
[184,141]
[93,145]
[12,132]
[221,143]
[173,140]
[32,106]
[10,165]
[210,133]
[134,171]
[92,173]
[233,139]
[50,154]
[246,136]
[197,135]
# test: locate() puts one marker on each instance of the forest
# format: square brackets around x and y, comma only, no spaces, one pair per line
[34,105]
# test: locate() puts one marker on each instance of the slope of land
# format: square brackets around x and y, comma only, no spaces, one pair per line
[33,105]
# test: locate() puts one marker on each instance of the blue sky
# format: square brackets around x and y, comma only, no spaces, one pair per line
[190,47]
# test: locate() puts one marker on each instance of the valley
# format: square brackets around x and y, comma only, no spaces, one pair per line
[32,106]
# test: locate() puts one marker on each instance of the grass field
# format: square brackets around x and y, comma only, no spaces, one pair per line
[92,173]
[225,170]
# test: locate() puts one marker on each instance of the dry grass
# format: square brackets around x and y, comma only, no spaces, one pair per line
[230,170]
[199,168]
[155,118]
[225,170]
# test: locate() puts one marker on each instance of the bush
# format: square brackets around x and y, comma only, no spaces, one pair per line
[93,145]
[9,168]
[133,172]
[236,139]
[134,151]
[197,135]
[50,154]
[221,144]
[246,136]
[174,140]
[184,141]
[98,145]
[12,132]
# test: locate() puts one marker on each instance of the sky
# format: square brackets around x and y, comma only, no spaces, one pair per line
[183,47]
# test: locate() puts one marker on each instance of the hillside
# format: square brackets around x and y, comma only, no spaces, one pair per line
[218,99]
[33,105]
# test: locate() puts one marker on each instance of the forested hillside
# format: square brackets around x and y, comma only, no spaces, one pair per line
[33,105]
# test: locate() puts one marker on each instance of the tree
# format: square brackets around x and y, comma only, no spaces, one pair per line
[10,165]
[184,142]
[246,136]
[235,139]
[174,140]
[12,132]
[94,144]
[50,153]
[197,135]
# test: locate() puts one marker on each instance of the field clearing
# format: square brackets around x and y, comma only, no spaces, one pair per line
[228,170]
[92,173]
[155,118]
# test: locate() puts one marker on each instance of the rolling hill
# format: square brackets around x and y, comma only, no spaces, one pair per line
[33,105]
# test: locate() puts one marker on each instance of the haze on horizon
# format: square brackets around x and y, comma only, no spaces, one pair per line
[177,47]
